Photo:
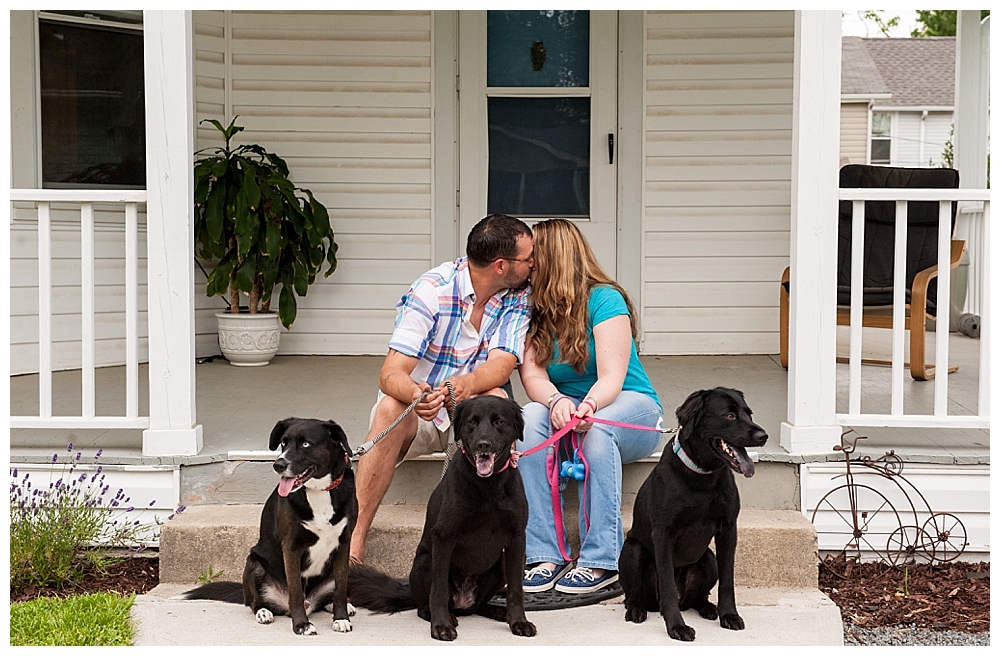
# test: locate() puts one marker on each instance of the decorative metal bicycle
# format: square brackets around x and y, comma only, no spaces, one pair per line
[871,523]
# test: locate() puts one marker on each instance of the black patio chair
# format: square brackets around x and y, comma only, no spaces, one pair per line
[879,256]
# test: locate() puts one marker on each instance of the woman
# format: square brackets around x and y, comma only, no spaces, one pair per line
[580,360]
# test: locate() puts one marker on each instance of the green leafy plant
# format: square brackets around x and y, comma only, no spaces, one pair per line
[905,590]
[261,228]
[209,576]
[57,531]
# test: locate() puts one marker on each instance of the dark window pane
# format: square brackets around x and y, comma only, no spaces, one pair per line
[538,48]
[539,157]
[881,151]
[93,113]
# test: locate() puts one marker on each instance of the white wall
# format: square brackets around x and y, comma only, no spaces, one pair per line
[345,99]
[717,187]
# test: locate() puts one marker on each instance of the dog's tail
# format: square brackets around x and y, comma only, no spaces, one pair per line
[369,588]
[229,591]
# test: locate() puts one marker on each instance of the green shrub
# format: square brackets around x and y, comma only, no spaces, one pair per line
[72,522]
[100,619]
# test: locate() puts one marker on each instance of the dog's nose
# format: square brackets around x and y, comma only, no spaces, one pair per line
[483,445]
[759,436]
[280,465]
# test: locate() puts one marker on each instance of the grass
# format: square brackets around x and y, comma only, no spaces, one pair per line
[100,619]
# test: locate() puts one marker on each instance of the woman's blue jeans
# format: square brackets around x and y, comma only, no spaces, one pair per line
[606,449]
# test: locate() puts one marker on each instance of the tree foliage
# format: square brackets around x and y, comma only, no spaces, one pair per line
[939,22]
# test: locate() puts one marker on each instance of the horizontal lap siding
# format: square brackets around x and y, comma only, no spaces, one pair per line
[853,133]
[345,99]
[717,179]
[67,297]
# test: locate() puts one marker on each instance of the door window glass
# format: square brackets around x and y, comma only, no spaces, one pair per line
[538,48]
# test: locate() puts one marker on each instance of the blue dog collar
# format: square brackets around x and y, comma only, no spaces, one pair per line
[686,459]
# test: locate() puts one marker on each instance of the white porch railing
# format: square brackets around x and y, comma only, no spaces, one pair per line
[980,265]
[43,199]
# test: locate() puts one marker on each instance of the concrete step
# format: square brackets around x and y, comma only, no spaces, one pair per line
[776,547]
[248,477]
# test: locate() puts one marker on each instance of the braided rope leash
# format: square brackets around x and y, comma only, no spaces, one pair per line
[452,443]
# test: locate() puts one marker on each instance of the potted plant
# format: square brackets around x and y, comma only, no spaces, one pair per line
[262,230]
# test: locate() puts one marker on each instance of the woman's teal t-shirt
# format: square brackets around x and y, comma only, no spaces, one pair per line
[604,303]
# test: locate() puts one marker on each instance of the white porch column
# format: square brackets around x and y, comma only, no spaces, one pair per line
[170,234]
[812,385]
[972,71]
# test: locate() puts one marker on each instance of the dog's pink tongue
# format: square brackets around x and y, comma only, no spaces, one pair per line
[484,464]
[285,486]
[746,464]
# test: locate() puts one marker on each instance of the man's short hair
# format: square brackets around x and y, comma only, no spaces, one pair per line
[495,237]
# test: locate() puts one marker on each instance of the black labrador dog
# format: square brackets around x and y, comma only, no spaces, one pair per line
[300,561]
[473,539]
[688,499]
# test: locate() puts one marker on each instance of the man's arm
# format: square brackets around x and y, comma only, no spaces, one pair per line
[394,380]
[491,374]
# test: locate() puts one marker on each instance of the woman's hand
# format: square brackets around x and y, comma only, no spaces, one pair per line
[561,412]
[584,410]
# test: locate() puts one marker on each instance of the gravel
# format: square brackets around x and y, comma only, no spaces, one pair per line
[911,635]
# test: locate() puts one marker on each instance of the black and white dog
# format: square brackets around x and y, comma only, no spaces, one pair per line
[300,561]
[472,545]
[688,499]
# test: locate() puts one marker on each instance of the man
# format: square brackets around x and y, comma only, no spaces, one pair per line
[463,322]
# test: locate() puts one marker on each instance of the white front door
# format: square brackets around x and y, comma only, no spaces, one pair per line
[538,104]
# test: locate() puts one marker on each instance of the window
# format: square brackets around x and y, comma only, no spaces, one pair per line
[539,113]
[92,105]
[881,138]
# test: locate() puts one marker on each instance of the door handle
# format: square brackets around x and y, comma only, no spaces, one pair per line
[611,148]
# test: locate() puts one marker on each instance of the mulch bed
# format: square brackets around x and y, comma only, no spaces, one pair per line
[951,596]
[139,575]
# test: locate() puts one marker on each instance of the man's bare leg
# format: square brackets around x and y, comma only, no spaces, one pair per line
[376,468]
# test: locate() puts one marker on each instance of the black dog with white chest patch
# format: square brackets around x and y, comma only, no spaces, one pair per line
[688,499]
[300,561]
[473,539]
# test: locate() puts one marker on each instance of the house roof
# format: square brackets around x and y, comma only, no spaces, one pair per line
[918,72]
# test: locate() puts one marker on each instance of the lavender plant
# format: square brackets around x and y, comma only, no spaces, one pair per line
[55,531]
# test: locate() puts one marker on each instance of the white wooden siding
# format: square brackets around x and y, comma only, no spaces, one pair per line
[717,172]
[853,133]
[109,298]
[914,147]
[345,99]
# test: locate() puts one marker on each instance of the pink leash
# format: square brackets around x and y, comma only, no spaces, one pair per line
[552,466]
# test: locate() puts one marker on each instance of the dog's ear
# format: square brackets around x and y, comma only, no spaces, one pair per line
[276,433]
[456,420]
[515,411]
[338,435]
[689,413]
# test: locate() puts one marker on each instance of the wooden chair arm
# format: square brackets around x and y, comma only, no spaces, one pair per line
[918,295]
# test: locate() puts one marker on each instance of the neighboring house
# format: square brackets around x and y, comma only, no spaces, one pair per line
[702,161]
[898,100]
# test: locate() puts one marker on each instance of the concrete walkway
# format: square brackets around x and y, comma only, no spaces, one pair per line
[773,616]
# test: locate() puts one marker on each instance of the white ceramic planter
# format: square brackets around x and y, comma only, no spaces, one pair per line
[248,340]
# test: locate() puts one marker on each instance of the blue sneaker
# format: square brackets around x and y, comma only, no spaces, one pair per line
[540,578]
[583,579]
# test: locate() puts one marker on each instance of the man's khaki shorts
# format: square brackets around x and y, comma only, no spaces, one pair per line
[428,439]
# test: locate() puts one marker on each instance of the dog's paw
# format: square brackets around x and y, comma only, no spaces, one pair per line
[708,611]
[732,621]
[523,628]
[443,632]
[264,616]
[681,632]
[306,628]
[342,626]
[635,614]
[351,610]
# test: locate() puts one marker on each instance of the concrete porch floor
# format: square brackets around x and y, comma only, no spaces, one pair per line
[237,406]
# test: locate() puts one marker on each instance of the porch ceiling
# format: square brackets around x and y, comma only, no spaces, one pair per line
[238,406]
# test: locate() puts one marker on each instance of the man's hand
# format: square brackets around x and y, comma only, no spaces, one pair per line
[428,408]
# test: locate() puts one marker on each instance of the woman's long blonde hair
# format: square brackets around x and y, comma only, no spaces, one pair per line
[565,272]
